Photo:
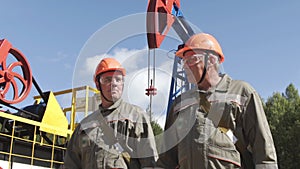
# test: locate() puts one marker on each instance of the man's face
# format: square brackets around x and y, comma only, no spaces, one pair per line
[112,85]
[193,64]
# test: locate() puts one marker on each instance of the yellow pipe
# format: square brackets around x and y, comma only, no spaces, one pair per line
[52,153]
[11,144]
[86,101]
[73,110]
[33,146]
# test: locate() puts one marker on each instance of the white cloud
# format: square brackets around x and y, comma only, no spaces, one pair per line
[91,63]
[59,57]
[136,64]
[138,83]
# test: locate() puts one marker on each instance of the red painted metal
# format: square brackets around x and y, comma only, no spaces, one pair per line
[15,78]
[151,91]
[159,20]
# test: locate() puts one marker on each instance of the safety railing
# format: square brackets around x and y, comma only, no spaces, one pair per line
[24,143]
[84,99]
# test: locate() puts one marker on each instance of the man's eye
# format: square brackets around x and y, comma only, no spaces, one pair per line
[107,80]
[119,79]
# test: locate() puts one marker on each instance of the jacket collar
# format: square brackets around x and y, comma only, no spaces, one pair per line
[223,85]
[107,111]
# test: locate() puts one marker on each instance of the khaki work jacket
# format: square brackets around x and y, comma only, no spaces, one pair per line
[125,141]
[224,127]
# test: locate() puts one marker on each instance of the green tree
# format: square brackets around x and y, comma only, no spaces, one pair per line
[156,128]
[283,113]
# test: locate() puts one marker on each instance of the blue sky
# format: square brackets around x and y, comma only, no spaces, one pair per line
[260,39]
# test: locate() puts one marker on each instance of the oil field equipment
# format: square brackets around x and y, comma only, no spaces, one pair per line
[35,135]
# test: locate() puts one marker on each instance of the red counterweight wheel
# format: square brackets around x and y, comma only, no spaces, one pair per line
[16,78]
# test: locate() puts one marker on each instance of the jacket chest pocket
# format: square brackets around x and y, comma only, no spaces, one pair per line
[221,143]
[109,159]
[224,114]
[221,150]
[96,153]
[87,152]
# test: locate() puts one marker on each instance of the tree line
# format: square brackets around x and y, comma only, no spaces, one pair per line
[283,113]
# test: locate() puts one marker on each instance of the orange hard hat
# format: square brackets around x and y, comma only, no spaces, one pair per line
[107,65]
[201,41]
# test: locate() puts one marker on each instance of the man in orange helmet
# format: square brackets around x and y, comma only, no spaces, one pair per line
[118,135]
[219,124]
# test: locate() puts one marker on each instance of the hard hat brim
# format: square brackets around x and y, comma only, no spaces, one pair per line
[121,70]
[180,52]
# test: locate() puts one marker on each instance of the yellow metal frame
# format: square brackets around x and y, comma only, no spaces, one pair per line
[73,107]
[48,125]
[33,142]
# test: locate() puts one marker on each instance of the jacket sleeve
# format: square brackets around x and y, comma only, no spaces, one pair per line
[168,159]
[72,158]
[258,134]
